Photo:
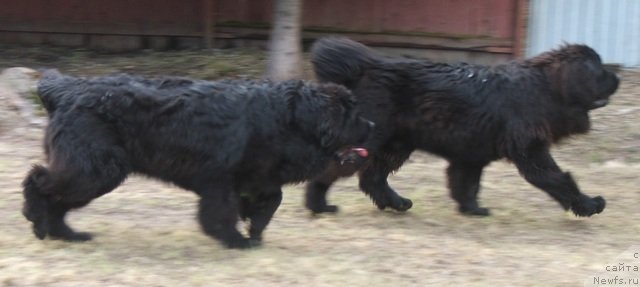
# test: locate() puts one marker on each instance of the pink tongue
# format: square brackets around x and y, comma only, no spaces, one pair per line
[363,152]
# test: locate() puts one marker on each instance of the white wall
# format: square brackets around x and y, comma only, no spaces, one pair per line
[611,27]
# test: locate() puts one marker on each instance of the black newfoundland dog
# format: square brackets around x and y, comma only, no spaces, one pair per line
[234,143]
[469,114]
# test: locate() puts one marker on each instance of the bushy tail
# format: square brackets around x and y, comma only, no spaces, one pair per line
[51,89]
[36,204]
[341,61]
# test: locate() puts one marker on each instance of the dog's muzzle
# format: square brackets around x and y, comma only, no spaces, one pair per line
[351,155]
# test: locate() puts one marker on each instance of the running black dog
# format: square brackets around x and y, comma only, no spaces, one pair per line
[234,143]
[469,114]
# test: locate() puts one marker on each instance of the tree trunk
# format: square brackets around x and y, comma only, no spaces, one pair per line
[285,51]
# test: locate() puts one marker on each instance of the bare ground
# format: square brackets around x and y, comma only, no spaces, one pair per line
[146,234]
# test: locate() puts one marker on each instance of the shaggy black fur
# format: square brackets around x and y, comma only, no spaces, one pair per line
[234,143]
[469,114]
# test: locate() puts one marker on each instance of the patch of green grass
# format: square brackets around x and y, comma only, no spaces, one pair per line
[596,157]
[33,97]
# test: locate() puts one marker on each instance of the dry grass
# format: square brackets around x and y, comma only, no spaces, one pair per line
[146,234]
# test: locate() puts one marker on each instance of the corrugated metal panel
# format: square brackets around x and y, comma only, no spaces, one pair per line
[611,27]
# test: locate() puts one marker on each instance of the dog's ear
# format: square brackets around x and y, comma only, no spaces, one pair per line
[328,137]
[341,104]
[570,82]
[580,82]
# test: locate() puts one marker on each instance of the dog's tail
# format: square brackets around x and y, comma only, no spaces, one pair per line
[51,89]
[36,203]
[341,61]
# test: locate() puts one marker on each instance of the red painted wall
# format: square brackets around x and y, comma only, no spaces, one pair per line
[482,23]
[96,16]
[490,18]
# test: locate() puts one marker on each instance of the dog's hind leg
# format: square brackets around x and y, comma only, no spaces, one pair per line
[218,215]
[58,228]
[36,202]
[79,191]
[48,198]
[44,206]
[464,185]
[51,192]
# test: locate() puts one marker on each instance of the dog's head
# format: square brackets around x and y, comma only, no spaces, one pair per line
[578,77]
[578,83]
[329,112]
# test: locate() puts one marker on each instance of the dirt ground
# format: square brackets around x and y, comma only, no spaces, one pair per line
[146,233]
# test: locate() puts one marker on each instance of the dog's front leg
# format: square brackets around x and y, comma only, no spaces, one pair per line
[464,185]
[262,210]
[373,182]
[218,215]
[538,168]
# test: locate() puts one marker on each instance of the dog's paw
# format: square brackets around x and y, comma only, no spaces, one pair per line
[244,243]
[586,206]
[475,211]
[40,229]
[317,203]
[71,236]
[402,204]
[327,208]
[255,242]
[40,223]
[398,203]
